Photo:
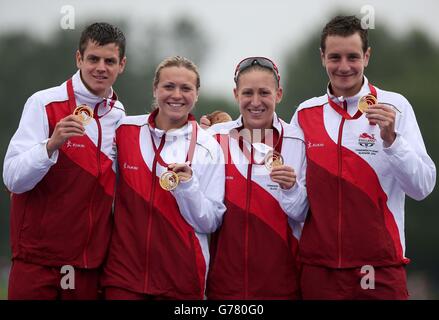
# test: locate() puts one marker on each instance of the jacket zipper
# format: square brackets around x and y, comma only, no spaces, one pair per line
[90,214]
[149,224]
[247,210]
[339,157]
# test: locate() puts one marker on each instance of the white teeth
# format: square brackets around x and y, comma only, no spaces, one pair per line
[256,111]
[176,104]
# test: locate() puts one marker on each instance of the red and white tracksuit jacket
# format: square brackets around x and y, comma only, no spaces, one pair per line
[160,242]
[356,187]
[61,206]
[254,251]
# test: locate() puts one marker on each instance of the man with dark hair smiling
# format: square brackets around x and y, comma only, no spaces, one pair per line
[364,152]
[59,170]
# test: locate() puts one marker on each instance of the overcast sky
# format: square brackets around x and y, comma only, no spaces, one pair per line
[235,28]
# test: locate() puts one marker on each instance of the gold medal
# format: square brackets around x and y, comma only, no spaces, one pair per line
[365,102]
[273,159]
[84,112]
[169,180]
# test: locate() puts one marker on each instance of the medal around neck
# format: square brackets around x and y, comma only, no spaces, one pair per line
[365,102]
[84,113]
[169,180]
[272,160]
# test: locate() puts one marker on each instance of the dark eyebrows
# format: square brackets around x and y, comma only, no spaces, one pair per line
[92,56]
[107,60]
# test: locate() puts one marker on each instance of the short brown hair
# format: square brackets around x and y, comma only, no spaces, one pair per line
[344,26]
[103,33]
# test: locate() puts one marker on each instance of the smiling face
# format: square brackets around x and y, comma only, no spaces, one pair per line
[100,66]
[257,94]
[176,93]
[345,60]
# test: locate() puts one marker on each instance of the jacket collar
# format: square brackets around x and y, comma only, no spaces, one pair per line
[185,130]
[84,96]
[276,123]
[353,100]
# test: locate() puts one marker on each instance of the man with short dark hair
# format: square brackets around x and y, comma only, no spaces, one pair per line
[364,152]
[59,170]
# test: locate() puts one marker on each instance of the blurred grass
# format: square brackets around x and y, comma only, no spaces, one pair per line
[3,291]
[4,276]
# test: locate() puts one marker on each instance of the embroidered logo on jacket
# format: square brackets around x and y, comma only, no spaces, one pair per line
[366,140]
[129,167]
[315,145]
[272,186]
[70,144]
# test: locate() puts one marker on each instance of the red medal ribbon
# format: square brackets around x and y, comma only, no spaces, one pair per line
[158,150]
[341,109]
[277,148]
[72,100]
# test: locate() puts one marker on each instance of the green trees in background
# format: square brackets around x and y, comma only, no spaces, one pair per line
[409,65]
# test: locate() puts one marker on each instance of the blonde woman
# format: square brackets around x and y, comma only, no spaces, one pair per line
[169,195]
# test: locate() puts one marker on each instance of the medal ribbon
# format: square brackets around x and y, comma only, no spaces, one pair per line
[72,100]
[341,110]
[277,148]
[190,153]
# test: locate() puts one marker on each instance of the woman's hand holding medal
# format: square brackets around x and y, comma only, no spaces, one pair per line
[283,175]
[183,170]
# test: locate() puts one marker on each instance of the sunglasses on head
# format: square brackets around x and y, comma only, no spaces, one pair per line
[261,61]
